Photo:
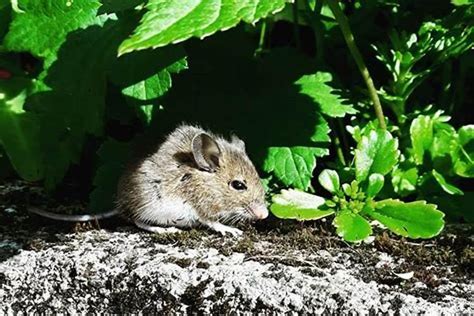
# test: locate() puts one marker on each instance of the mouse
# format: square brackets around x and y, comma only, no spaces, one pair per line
[194,178]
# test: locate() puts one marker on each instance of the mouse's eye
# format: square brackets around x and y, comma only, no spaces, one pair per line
[238,185]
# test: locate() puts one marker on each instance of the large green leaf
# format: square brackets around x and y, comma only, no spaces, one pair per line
[316,87]
[421,133]
[376,153]
[73,105]
[19,130]
[294,204]
[168,22]
[414,219]
[293,165]
[351,226]
[44,24]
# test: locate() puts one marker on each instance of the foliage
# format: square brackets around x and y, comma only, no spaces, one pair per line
[354,203]
[83,83]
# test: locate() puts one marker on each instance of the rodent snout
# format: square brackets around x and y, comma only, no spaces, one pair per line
[259,210]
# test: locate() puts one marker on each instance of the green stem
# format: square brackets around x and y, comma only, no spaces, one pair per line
[349,38]
[261,41]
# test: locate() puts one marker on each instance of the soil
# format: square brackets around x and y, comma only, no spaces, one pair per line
[422,268]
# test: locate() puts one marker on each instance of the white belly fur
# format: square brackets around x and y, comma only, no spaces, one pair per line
[169,212]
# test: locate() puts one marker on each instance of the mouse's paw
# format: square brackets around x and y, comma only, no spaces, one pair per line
[224,229]
[157,229]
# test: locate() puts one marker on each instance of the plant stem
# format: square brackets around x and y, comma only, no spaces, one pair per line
[261,41]
[349,38]
[340,153]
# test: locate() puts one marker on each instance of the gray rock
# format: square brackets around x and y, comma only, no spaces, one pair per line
[100,271]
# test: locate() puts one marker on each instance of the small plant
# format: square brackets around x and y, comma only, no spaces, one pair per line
[355,204]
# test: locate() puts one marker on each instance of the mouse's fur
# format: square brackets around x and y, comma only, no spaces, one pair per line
[188,181]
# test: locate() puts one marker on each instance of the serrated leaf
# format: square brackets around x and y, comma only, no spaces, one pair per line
[113,157]
[168,22]
[44,24]
[375,184]
[421,134]
[77,78]
[316,87]
[375,153]
[293,165]
[294,204]
[351,226]
[329,179]
[19,130]
[447,187]
[414,219]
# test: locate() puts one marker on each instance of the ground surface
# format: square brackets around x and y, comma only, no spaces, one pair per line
[47,266]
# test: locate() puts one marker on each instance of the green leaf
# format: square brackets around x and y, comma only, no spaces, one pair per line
[113,157]
[329,180]
[316,87]
[156,85]
[169,22]
[376,153]
[294,204]
[415,219]
[447,187]
[462,2]
[464,155]
[404,179]
[466,134]
[19,130]
[43,26]
[72,106]
[293,165]
[352,227]
[421,134]
[376,181]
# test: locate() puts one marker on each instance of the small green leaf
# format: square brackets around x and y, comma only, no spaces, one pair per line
[375,153]
[447,187]
[376,181]
[352,227]
[293,165]
[466,134]
[168,22]
[329,180]
[294,204]
[316,87]
[414,219]
[421,133]
[404,181]
[346,187]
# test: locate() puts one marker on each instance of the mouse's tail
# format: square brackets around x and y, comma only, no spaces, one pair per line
[73,218]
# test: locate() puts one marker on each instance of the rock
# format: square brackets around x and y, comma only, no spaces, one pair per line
[130,271]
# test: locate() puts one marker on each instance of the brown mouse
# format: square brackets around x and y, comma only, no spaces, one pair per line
[194,178]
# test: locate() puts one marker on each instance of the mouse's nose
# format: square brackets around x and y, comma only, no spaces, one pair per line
[259,210]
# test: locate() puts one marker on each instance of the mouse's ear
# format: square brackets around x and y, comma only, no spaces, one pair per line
[206,152]
[234,139]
